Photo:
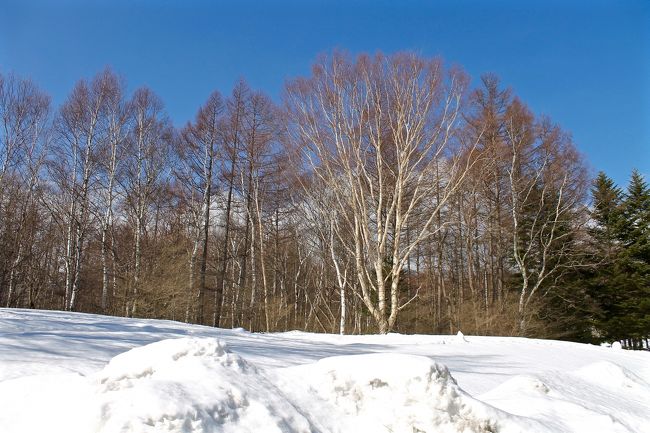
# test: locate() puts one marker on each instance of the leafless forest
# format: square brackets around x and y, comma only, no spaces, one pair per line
[383,193]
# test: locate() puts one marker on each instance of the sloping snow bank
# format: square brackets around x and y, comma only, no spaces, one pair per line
[179,385]
[401,393]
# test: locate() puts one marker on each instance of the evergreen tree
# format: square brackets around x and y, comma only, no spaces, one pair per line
[606,213]
[570,308]
[599,280]
[620,279]
[633,262]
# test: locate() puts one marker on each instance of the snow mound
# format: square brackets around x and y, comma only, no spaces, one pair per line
[400,393]
[163,359]
[191,385]
[611,375]
[181,385]
[522,385]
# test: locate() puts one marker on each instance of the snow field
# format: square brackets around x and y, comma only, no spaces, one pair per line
[75,373]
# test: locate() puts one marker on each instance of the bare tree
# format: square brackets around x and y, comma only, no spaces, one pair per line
[149,150]
[113,149]
[82,128]
[201,140]
[236,107]
[24,113]
[261,131]
[375,131]
[546,185]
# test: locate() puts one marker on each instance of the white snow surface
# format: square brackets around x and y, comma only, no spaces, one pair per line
[82,373]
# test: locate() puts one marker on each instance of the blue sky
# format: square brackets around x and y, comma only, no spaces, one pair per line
[585,64]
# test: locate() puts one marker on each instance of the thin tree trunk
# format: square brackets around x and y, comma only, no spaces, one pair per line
[225,256]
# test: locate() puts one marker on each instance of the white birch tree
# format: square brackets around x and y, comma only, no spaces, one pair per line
[375,130]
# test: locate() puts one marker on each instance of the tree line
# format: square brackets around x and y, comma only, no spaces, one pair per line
[384,193]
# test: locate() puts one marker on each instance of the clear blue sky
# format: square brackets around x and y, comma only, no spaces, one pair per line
[585,64]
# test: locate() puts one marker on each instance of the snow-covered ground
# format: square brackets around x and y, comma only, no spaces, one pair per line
[80,373]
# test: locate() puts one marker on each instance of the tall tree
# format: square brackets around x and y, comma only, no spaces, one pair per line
[149,147]
[112,151]
[24,117]
[236,107]
[633,262]
[620,278]
[546,185]
[376,131]
[201,141]
[261,132]
[82,128]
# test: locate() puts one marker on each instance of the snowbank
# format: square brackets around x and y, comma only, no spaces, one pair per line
[189,385]
[401,393]
[182,385]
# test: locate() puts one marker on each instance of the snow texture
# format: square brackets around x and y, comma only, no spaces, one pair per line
[78,373]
